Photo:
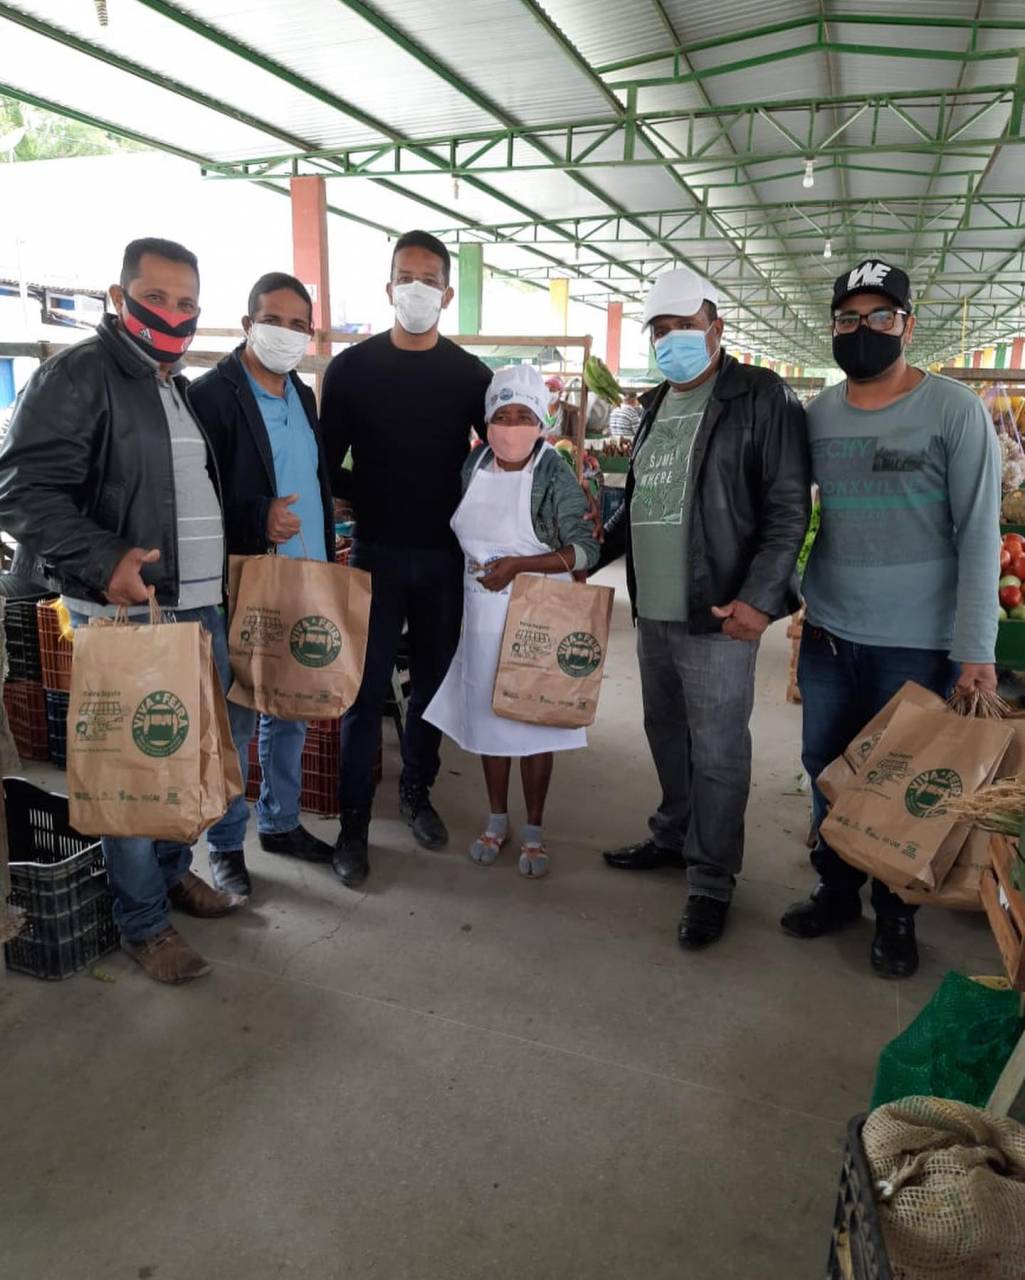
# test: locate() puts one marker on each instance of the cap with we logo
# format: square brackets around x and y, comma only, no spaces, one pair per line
[873,276]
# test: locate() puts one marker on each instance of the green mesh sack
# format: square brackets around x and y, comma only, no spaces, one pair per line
[955,1048]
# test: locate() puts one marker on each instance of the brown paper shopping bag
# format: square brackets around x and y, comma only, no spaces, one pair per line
[220,772]
[553,652]
[297,636]
[962,885]
[890,820]
[841,772]
[138,736]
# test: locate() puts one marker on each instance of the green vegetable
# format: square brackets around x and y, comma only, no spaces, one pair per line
[809,538]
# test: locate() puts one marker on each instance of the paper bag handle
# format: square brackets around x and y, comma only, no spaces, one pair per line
[156,614]
[298,534]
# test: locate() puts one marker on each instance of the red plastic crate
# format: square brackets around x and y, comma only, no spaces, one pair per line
[25,703]
[320,768]
[55,652]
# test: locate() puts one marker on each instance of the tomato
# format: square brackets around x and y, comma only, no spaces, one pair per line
[1005,559]
[1010,597]
[1018,566]
[1012,540]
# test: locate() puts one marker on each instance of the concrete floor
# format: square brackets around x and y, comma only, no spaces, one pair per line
[462,1074]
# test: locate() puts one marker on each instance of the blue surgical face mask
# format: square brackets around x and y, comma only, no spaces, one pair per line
[682,354]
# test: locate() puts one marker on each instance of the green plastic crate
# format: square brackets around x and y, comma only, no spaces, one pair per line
[1011,645]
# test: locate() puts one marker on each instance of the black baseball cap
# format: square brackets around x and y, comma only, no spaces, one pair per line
[873,276]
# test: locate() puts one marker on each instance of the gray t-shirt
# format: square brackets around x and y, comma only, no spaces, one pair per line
[661,504]
[907,551]
[200,526]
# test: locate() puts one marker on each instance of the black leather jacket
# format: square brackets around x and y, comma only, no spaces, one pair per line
[751,485]
[224,403]
[86,471]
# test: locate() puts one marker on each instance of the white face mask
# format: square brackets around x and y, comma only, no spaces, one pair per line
[277,349]
[417,306]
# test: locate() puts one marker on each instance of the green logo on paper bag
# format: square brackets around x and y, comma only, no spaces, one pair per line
[315,641]
[160,724]
[579,654]
[925,794]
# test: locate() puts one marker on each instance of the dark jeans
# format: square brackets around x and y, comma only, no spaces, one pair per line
[698,692]
[423,588]
[843,685]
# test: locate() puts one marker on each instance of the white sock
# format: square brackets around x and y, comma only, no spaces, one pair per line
[498,826]
[531,836]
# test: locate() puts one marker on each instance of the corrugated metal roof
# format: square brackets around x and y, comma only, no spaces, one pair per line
[334,74]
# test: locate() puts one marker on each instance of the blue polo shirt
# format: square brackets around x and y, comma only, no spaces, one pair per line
[294,448]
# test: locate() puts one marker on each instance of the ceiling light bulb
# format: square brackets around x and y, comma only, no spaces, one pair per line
[809,173]
[827,252]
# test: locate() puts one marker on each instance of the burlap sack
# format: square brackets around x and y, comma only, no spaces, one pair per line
[297,635]
[952,1196]
[842,771]
[553,652]
[141,732]
[890,821]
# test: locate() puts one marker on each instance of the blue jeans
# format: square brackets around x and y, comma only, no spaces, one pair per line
[142,871]
[281,750]
[843,685]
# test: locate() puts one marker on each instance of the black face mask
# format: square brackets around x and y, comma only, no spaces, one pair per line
[865,354]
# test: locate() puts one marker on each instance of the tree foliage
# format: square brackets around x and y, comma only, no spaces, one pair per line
[54,137]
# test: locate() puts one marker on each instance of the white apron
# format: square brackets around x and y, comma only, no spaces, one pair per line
[493,520]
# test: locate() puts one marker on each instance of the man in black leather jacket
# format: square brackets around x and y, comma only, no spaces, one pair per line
[717,503]
[106,476]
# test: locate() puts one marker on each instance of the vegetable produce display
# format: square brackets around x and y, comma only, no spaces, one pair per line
[1010,591]
[601,381]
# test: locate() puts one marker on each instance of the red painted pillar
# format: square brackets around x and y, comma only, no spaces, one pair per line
[309,250]
[614,342]
[977,359]
[1017,353]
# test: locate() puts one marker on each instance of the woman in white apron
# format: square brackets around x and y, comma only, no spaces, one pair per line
[522,512]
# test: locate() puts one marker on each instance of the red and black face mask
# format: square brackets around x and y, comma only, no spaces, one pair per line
[164,335]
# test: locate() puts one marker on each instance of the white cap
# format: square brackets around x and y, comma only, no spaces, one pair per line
[517,384]
[678,293]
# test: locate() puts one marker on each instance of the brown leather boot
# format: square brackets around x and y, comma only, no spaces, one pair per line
[167,957]
[196,898]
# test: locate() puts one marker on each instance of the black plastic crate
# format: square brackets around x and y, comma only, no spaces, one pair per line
[23,662]
[57,727]
[858,1250]
[59,881]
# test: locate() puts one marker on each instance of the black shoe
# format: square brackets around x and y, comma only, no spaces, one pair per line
[298,843]
[894,949]
[428,828]
[702,923]
[229,873]
[645,856]
[351,858]
[826,911]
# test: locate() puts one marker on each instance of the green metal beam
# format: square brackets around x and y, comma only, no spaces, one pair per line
[314,90]
[180,89]
[745,35]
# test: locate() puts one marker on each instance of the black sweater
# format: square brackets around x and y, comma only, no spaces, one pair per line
[407,416]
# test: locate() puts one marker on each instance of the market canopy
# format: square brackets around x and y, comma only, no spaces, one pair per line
[765,144]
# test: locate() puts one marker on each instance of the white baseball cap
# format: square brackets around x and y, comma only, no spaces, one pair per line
[517,384]
[678,293]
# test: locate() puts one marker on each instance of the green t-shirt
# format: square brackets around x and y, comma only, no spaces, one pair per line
[660,508]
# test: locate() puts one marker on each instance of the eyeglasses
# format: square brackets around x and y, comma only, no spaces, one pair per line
[880,321]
